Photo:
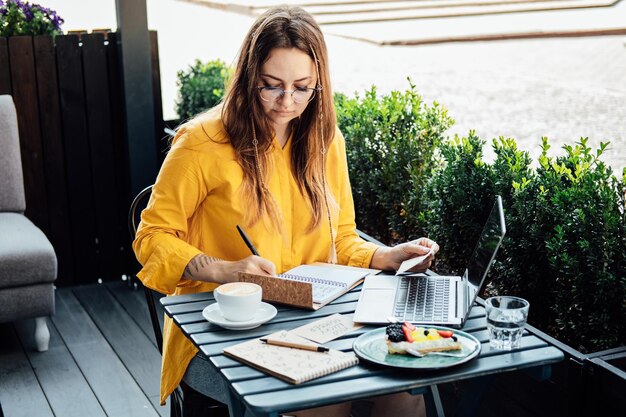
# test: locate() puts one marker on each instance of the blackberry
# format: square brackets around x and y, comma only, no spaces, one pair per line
[395,333]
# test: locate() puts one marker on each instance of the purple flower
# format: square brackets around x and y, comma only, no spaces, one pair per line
[29,15]
[1,3]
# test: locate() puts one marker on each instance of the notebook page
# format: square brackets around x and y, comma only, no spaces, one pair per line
[345,275]
[290,364]
[322,291]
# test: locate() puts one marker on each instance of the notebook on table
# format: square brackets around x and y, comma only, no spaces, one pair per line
[309,286]
[433,299]
[290,364]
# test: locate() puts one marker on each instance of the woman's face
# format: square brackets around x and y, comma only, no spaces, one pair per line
[289,69]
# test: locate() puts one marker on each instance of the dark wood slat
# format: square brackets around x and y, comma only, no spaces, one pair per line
[5,71]
[24,86]
[77,157]
[102,147]
[162,140]
[111,382]
[20,392]
[122,175]
[54,157]
[66,389]
[131,345]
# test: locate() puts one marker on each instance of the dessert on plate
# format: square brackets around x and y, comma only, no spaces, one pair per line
[403,336]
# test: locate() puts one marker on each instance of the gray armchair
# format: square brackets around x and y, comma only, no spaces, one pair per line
[28,264]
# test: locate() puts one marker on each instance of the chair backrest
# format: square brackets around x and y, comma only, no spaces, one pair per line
[11,177]
[134,214]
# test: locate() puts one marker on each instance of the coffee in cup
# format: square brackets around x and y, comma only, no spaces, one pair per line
[238,301]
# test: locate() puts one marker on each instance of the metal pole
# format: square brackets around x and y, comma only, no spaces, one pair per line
[134,48]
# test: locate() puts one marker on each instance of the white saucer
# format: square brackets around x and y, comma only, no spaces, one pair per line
[213,314]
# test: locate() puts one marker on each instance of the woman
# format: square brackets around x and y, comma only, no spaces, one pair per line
[270,157]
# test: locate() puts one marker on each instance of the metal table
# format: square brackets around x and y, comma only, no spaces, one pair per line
[249,392]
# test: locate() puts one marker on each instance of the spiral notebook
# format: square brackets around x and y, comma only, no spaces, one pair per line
[309,286]
[289,364]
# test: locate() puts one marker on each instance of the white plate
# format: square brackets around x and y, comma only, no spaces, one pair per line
[213,314]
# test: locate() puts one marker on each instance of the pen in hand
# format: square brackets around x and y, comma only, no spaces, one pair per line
[276,342]
[247,241]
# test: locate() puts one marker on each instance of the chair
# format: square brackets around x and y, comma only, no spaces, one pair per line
[28,264]
[177,399]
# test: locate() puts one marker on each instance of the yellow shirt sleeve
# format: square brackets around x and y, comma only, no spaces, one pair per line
[161,242]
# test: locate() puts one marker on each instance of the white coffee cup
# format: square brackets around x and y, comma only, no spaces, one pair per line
[239,301]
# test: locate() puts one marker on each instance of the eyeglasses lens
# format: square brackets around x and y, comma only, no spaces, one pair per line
[299,96]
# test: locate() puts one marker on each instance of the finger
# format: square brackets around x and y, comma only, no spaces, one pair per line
[424,241]
[418,250]
[267,267]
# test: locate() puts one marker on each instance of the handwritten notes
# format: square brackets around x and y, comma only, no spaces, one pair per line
[327,329]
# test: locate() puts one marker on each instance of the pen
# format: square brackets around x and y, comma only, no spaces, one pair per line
[247,241]
[295,345]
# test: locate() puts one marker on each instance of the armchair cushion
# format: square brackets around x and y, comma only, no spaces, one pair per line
[26,255]
[11,180]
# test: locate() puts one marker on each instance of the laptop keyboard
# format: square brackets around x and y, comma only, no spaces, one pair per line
[422,299]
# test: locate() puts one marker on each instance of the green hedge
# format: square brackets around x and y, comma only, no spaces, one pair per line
[391,143]
[565,248]
[200,87]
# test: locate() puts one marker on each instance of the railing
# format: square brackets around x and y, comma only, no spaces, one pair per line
[69,101]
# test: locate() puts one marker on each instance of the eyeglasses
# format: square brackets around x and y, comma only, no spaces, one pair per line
[299,95]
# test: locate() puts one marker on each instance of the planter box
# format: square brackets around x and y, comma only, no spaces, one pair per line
[69,101]
[579,386]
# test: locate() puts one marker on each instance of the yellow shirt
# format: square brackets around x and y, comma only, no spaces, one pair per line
[196,204]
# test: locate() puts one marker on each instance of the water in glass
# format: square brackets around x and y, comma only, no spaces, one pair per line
[506,318]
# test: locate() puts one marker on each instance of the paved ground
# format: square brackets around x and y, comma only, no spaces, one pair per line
[563,88]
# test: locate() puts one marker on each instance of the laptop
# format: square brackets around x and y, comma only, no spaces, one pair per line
[433,299]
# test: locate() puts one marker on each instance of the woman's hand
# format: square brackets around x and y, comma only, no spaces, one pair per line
[205,268]
[387,258]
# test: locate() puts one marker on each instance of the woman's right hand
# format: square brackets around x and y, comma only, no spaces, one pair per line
[208,269]
[251,265]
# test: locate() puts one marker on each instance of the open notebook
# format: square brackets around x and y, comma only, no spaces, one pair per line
[289,364]
[309,286]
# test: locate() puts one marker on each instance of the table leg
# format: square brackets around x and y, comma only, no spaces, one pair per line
[433,402]
[471,400]
[236,408]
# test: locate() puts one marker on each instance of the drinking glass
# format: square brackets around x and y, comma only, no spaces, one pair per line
[506,318]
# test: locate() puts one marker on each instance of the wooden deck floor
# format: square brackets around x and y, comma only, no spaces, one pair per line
[102,359]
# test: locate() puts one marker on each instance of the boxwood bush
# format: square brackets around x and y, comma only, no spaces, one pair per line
[200,87]
[565,249]
[391,142]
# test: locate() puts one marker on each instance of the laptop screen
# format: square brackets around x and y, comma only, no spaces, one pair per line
[485,250]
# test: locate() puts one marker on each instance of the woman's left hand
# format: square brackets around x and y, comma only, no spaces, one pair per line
[391,258]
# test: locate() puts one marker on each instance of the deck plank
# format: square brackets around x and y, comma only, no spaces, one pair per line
[134,302]
[20,392]
[113,385]
[132,346]
[67,391]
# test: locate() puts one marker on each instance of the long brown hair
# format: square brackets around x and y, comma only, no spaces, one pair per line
[250,131]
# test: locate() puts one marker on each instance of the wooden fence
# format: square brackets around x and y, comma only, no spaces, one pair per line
[69,100]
